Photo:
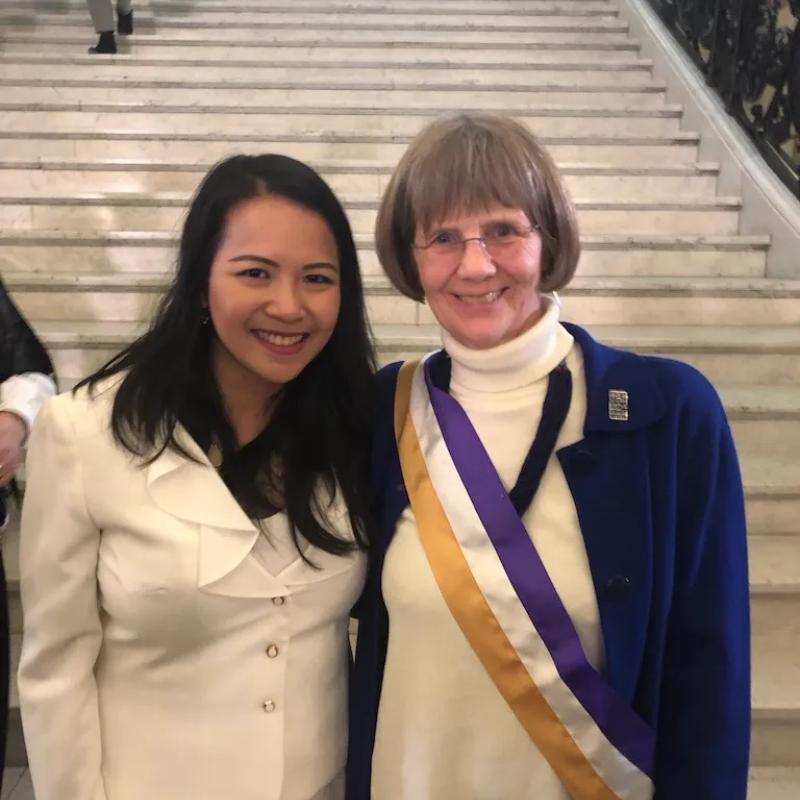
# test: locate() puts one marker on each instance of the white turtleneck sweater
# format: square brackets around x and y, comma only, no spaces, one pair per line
[444,731]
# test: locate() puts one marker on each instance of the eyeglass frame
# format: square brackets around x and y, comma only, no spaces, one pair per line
[481,239]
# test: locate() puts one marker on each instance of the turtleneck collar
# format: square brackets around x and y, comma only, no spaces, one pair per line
[513,365]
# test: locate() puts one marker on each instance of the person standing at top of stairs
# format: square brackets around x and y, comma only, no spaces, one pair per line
[103,19]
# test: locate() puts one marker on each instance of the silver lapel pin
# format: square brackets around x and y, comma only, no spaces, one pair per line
[618,405]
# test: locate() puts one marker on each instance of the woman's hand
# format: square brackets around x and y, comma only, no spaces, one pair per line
[12,437]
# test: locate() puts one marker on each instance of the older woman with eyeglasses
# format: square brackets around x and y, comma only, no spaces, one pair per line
[558,603]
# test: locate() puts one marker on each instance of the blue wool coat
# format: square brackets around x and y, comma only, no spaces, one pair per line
[660,505]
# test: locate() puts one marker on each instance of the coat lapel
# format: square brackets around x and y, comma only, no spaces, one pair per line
[607,472]
[612,497]
[193,491]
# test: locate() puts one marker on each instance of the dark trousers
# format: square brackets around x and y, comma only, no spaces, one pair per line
[4,668]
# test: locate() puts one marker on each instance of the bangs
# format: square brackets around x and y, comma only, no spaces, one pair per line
[465,171]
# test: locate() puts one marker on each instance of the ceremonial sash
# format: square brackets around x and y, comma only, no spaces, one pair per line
[502,598]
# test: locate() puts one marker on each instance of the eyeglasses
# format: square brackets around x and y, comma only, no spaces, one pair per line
[501,241]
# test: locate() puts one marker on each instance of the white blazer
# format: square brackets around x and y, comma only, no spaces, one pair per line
[160,659]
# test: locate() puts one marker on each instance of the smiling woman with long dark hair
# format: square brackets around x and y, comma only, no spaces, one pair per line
[196,516]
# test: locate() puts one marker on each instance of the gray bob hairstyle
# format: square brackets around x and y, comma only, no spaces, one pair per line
[465,164]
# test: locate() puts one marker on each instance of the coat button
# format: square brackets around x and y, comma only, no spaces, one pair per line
[269,706]
[278,601]
[272,651]
[618,588]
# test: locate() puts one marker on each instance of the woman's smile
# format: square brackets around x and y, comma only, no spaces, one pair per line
[487,299]
[281,344]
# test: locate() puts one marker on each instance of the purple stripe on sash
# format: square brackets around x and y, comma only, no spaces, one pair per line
[633,737]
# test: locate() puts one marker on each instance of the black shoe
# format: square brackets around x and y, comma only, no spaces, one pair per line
[125,24]
[105,44]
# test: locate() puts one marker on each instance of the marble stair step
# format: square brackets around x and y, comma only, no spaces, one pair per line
[775,620]
[133,73]
[766,420]
[278,54]
[775,563]
[766,355]
[610,181]
[223,22]
[120,252]
[493,17]
[574,34]
[774,783]
[129,118]
[160,148]
[776,732]
[424,8]
[772,493]
[405,95]
[269,44]
[165,212]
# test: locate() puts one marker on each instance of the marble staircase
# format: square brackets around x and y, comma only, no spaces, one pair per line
[99,154]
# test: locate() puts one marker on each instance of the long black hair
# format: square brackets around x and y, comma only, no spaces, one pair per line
[318,433]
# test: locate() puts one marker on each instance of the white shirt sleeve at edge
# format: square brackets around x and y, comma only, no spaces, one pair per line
[24,394]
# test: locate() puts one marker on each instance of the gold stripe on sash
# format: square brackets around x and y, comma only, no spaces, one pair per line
[476,619]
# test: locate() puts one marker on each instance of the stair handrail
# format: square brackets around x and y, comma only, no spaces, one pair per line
[749,53]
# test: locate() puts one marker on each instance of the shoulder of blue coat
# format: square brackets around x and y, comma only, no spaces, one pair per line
[656,385]
[387,376]
[688,394]
[682,383]
[386,379]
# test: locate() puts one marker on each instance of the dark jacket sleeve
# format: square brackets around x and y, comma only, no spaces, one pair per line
[20,350]
[382,435]
[704,721]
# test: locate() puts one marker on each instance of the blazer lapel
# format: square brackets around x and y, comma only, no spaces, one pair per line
[194,492]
